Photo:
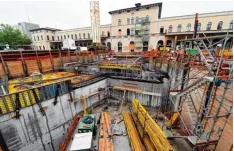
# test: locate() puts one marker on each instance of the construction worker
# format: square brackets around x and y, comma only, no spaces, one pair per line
[76,70]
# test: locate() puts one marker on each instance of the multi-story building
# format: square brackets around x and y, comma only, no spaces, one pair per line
[138,28]
[25,28]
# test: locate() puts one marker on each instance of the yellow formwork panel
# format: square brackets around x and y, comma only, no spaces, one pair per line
[133,135]
[9,101]
[226,52]
[2,106]
[147,142]
[32,97]
[22,102]
[120,66]
[48,79]
[173,119]
[156,135]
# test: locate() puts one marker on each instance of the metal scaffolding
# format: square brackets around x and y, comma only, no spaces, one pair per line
[209,116]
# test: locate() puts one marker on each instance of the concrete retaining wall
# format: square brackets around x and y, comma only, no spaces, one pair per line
[150,100]
[32,129]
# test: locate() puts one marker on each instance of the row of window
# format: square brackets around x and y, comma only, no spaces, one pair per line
[47,37]
[188,27]
[72,36]
[128,32]
[131,21]
[41,48]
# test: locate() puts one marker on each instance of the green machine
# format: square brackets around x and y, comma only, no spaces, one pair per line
[87,124]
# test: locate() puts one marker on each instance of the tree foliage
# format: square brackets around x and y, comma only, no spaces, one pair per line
[12,36]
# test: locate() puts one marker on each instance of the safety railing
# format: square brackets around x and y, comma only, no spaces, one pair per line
[25,98]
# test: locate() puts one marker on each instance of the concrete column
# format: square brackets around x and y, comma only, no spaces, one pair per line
[175,41]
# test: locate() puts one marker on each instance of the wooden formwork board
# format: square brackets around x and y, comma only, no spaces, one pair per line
[105,142]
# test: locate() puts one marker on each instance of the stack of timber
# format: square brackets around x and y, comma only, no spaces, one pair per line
[156,135]
[145,137]
[105,138]
[135,140]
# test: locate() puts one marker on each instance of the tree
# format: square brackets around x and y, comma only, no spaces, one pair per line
[12,36]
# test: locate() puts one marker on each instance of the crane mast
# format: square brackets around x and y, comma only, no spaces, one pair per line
[95,21]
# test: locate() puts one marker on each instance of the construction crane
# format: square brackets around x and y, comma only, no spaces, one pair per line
[95,22]
[95,27]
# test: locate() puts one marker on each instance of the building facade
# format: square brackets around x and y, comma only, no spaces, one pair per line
[138,28]
[25,28]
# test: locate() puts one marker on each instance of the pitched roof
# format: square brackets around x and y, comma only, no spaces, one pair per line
[136,8]
[45,28]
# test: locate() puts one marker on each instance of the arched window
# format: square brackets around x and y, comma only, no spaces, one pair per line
[170,29]
[34,38]
[76,36]
[71,36]
[84,35]
[52,38]
[43,47]
[199,26]
[220,24]
[128,21]
[38,38]
[230,25]
[108,34]
[58,37]
[103,34]
[61,37]
[67,36]
[208,27]
[48,38]
[132,20]
[64,36]
[179,28]
[39,46]
[119,46]
[137,20]
[79,36]
[41,37]
[169,43]
[131,46]
[160,43]
[128,31]
[119,22]
[132,31]
[188,27]
[161,30]
[88,35]
[109,46]
[147,18]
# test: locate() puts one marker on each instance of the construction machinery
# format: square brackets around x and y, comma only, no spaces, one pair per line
[87,124]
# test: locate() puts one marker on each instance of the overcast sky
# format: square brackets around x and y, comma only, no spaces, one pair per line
[67,14]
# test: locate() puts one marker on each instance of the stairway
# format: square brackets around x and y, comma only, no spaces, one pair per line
[206,58]
[195,85]
[190,88]
[192,110]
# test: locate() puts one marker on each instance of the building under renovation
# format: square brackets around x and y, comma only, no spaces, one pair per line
[170,98]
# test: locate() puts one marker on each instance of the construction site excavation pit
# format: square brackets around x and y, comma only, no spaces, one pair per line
[148,102]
